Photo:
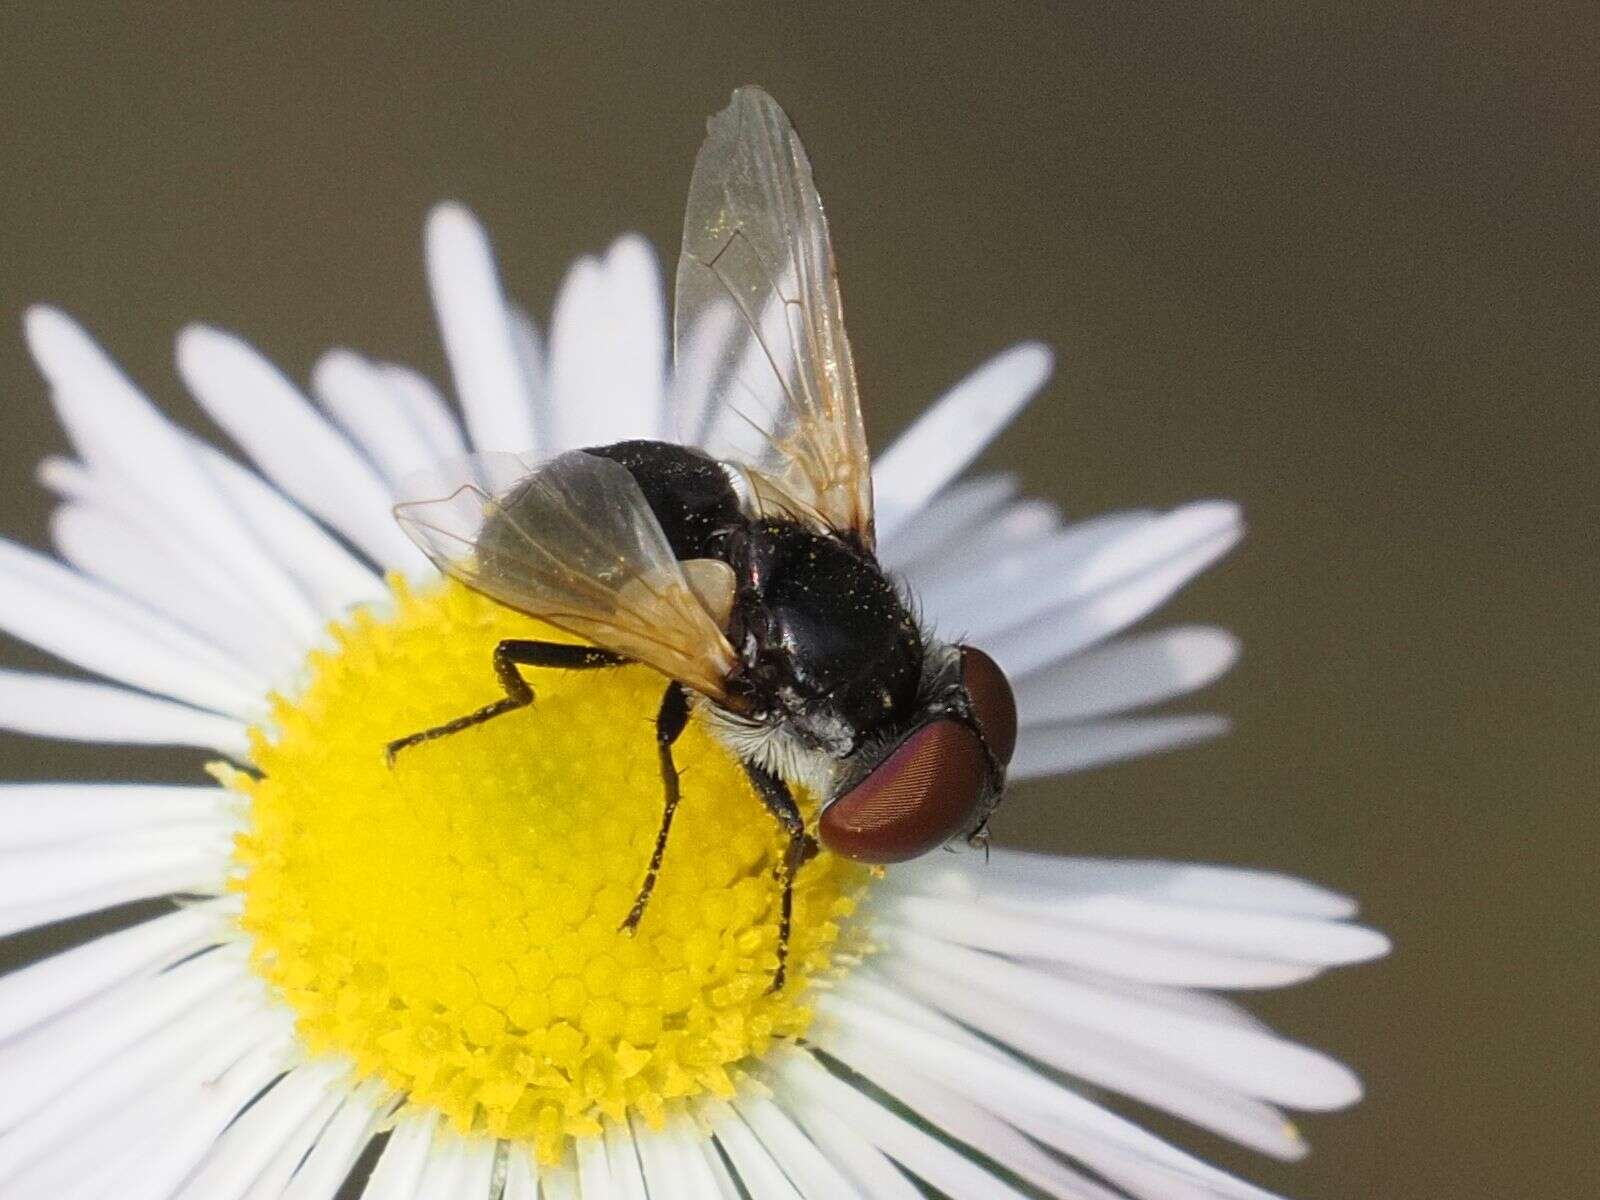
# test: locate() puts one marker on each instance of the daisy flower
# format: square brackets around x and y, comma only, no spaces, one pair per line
[413,977]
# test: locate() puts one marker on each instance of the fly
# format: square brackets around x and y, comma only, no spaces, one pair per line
[741,566]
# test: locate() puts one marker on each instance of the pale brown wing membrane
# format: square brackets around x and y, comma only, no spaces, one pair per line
[759,327]
[572,541]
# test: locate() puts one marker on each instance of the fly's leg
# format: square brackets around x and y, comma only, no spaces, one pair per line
[670,720]
[802,847]
[508,656]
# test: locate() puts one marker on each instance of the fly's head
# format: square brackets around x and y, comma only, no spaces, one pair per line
[938,776]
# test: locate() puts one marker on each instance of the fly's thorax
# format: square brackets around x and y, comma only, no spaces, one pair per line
[827,645]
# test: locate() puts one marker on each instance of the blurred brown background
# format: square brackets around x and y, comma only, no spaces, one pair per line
[1336,261]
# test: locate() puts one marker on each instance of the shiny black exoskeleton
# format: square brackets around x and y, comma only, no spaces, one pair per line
[688,492]
[829,657]
[826,644]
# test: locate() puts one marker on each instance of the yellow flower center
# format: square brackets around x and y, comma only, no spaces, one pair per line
[451,923]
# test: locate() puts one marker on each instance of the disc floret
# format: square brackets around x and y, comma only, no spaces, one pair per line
[451,925]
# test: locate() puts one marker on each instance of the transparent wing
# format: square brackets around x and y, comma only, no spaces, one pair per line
[764,371]
[572,541]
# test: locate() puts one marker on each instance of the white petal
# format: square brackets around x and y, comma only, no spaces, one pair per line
[930,1159]
[86,623]
[338,1148]
[455,1169]
[1028,627]
[1142,1176]
[1148,1181]
[743,396]
[292,443]
[700,1166]
[404,1156]
[531,357]
[594,1171]
[444,1168]
[474,321]
[882,993]
[50,1058]
[476,1172]
[372,414]
[116,552]
[522,1176]
[622,1161]
[1130,672]
[950,519]
[1207,1006]
[798,1156]
[874,1175]
[149,462]
[334,579]
[760,1176]
[723,1184]
[429,411]
[873,1044]
[1042,876]
[67,478]
[662,1162]
[701,356]
[210,833]
[1078,624]
[1170,535]
[608,348]
[1116,954]
[988,1135]
[185,1131]
[44,873]
[677,1161]
[1253,1061]
[1295,939]
[183,879]
[1015,1006]
[280,1168]
[39,814]
[83,1104]
[1021,550]
[135,874]
[56,985]
[638,307]
[251,1142]
[1059,748]
[952,432]
[1018,529]
[559,1183]
[45,706]
[274,601]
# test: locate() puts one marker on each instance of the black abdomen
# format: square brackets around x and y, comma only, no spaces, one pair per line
[688,492]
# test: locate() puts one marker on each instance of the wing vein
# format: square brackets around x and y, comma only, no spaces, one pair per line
[778,397]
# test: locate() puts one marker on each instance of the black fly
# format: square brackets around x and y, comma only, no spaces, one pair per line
[744,571]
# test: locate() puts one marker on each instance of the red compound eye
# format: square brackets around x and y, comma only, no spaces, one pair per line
[926,792]
[992,701]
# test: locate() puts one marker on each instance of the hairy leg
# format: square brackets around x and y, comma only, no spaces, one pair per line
[508,656]
[801,849]
[670,720]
